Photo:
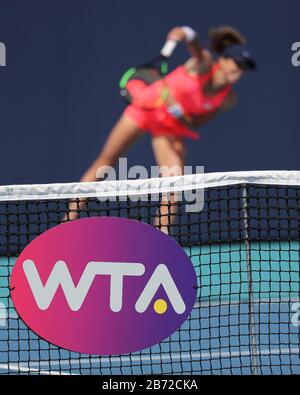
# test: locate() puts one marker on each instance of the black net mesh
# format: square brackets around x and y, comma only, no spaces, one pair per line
[244,246]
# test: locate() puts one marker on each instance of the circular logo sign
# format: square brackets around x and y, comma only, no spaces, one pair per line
[103,286]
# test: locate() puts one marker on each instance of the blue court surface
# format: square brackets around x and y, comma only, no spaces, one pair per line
[245,321]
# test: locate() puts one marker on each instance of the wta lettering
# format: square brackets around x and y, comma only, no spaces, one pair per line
[75,295]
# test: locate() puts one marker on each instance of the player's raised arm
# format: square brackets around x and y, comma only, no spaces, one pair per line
[190,37]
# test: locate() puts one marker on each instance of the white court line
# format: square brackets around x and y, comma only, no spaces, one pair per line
[20,368]
[211,303]
[150,358]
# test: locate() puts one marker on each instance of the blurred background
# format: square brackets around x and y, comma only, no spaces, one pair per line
[59,92]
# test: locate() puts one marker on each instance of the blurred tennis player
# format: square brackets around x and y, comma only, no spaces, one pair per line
[169,105]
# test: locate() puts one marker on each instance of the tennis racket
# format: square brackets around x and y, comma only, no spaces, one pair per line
[136,78]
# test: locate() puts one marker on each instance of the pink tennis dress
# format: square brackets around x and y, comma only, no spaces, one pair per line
[188,91]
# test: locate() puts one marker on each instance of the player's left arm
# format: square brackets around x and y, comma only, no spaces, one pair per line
[229,104]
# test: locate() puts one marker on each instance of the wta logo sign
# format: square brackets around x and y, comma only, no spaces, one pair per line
[103,286]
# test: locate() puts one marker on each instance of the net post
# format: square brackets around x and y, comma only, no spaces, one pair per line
[253,342]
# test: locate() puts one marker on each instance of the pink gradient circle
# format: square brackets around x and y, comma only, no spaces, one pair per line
[94,328]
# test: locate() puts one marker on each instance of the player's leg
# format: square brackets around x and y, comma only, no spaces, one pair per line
[122,136]
[170,156]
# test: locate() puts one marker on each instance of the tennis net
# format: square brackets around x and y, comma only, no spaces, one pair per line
[244,243]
